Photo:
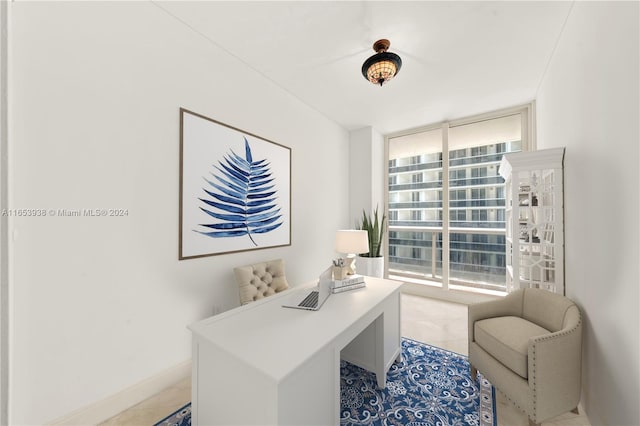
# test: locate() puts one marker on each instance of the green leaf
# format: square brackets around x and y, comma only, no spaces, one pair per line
[375,229]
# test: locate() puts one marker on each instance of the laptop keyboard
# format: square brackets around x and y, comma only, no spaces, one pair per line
[311,301]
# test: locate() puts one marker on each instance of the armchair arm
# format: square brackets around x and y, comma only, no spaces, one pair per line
[555,369]
[511,304]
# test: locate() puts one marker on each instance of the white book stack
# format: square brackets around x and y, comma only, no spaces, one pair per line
[351,282]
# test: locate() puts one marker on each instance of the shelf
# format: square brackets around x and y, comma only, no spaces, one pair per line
[523,242]
[535,181]
[530,250]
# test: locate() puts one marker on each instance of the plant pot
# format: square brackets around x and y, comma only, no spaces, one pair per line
[370,266]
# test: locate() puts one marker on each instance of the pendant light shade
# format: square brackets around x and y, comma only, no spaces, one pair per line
[382,66]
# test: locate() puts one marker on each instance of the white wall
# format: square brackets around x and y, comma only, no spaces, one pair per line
[99,304]
[366,172]
[4,220]
[589,102]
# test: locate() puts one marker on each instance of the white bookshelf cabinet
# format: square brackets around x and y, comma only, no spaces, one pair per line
[534,216]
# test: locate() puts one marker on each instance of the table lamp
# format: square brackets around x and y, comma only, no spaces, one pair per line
[351,242]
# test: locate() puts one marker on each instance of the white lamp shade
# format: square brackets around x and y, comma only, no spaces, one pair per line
[352,241]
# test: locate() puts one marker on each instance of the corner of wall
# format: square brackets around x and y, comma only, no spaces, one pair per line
[366,171]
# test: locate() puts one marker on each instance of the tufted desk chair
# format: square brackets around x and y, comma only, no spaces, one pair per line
[529,346]
[260,280]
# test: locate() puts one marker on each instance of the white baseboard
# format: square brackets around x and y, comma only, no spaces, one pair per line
[100,411]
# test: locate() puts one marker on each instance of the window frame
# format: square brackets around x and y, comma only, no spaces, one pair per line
[528,140]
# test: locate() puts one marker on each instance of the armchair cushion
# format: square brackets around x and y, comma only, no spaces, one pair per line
[507,340]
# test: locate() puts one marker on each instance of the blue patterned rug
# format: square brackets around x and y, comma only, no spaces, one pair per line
[431,386]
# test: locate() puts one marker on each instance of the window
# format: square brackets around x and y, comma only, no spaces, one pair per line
[479,215]
[479,238]
[457,164]
[460,194]
[479,151]
[460,153]
[478,172]
[416,253]
[478,193]
[457,174]
[458,215]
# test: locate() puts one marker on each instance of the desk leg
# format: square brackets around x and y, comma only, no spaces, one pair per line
[381,371]
[377,346]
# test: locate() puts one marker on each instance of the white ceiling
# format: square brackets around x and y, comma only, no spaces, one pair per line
[459,58]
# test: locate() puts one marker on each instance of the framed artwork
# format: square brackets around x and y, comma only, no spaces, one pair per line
[235,189]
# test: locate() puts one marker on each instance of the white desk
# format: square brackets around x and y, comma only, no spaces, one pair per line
[264,364]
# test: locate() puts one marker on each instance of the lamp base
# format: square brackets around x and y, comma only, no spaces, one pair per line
[350,264]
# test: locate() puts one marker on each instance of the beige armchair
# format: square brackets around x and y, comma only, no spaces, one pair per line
[529,346]
[260,280]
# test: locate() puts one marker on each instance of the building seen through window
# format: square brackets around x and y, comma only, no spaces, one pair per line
[475,246]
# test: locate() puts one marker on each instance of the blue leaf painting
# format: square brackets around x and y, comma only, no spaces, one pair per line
[241,198]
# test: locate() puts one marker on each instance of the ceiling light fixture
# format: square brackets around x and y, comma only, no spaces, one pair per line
[382,66]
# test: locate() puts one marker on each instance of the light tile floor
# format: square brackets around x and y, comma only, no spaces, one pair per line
[436,322]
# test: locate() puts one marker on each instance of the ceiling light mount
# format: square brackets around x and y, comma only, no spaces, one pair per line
[383,66]
[381,45]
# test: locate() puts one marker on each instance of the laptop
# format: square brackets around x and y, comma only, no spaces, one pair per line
[313,300]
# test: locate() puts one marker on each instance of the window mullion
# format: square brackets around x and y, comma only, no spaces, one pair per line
[445,206]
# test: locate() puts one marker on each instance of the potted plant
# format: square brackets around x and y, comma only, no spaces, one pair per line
[372,263]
